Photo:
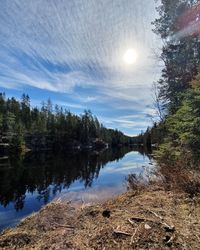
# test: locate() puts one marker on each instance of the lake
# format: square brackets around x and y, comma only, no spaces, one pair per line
[29,182]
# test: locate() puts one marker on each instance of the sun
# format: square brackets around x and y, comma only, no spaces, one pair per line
[130,56]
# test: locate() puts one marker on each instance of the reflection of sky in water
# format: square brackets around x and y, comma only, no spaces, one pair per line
[9,216]
[114,173]
[111,180]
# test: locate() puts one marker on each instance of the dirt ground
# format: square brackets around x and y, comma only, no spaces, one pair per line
[152,219]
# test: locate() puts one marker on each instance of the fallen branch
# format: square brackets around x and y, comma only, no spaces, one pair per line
[132,237]
[66,226]
[166,226]
[137,219]
[121,232]
[158,216]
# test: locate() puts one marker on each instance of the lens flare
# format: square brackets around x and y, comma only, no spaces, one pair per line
[188,23]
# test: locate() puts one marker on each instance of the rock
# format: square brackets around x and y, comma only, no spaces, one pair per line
[147,227]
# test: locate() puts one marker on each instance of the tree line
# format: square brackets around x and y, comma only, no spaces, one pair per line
[178,91]
[18,119]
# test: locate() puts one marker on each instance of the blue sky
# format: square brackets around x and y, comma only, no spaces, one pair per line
[72,52]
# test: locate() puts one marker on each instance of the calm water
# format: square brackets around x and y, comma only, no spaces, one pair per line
[27,183]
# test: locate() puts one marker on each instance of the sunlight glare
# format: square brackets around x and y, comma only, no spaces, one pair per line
[130,56]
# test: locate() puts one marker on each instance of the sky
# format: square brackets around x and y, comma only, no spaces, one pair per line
[73,53]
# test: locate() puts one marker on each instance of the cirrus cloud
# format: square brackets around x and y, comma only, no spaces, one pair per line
[76,48]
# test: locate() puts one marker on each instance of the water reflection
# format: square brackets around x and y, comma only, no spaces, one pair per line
[26,183]
[48,172]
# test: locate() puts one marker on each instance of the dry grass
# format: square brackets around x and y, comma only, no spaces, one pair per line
[153,219]
[179,178]
[136,183]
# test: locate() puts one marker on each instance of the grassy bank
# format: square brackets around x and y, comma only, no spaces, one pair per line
[149,218]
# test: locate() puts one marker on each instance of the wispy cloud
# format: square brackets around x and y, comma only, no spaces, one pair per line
[138,122]
[72,46]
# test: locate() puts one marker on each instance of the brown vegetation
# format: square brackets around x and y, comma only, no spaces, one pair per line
[150,219]
[179,178]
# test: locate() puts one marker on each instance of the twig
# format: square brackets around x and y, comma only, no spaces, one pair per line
[160,217]
[121,232]
[115,242]
[198,237]
[167,226]
[171,239]
[67,226]
[131,222]
[132,237]
[137,219]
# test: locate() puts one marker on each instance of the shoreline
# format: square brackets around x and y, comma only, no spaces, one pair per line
[151,218]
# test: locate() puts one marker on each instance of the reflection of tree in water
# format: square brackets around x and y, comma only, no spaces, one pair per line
[48,174]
